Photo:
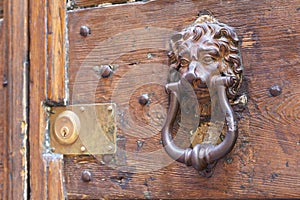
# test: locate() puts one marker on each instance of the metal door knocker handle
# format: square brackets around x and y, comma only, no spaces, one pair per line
[207,52]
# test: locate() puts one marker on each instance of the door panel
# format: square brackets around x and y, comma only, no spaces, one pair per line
[133,39]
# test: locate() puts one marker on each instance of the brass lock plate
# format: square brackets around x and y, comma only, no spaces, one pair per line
[83,129]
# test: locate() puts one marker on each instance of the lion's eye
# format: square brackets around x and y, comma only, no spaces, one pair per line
[184,62]
[208,59]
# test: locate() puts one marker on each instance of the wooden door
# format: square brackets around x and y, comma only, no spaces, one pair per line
[69,42]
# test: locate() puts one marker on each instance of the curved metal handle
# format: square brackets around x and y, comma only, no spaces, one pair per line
[201,157]
[214,60]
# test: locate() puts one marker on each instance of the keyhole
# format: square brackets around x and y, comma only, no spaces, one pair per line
[64,132]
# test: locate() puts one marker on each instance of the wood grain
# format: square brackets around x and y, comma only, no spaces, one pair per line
[17,63]
[134,39]
[47,184]
[57,47]
[53,167]
[38,93]
[2,111]
[46,54]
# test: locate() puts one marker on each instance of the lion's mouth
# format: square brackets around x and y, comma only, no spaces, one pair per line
[191,87]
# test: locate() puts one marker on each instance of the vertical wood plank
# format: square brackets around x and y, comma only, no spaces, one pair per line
[54,166]
[2,110]
[57,42]
[46,55]
[38,62]
[16,61]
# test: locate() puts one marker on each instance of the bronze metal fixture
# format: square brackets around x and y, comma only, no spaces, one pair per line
[207,52]
[84,129]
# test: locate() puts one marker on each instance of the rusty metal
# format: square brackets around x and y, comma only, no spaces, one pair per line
[85,31]
[86,176]
[275,90]
[207,51]
[144,99]
[83,129]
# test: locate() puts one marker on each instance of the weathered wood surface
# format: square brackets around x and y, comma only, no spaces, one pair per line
[17,64]
[46,180]
[57,45]
[38,63]
[55,184]
[2,111]
[264,161]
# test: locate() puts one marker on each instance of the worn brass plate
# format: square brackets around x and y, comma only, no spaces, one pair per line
[97,132]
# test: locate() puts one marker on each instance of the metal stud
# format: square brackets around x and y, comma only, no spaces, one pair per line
[144,99]
[85,31]
[106,71]
[86,176]
[275,90]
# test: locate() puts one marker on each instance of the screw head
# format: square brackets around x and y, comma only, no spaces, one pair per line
[86,176]
[85,31]
[109,148]
[144,99]
[109,108]
[275,90]
[82,149]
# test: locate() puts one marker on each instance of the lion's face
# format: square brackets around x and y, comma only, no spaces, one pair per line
[204,50]
[199,63]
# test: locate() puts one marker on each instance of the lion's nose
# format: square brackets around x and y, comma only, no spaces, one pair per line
[190,75]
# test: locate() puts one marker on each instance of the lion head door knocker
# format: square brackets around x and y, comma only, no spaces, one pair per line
[204,54]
